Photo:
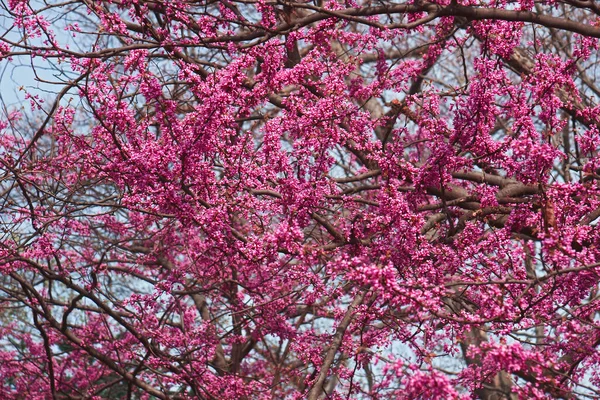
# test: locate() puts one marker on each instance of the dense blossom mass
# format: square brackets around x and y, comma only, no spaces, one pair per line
[297,199]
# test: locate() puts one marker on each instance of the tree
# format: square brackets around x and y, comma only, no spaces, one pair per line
[267,199]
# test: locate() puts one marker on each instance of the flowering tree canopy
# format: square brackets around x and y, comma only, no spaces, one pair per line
[269,199]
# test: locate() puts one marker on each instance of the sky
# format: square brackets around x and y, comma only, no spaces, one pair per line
[23,74]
